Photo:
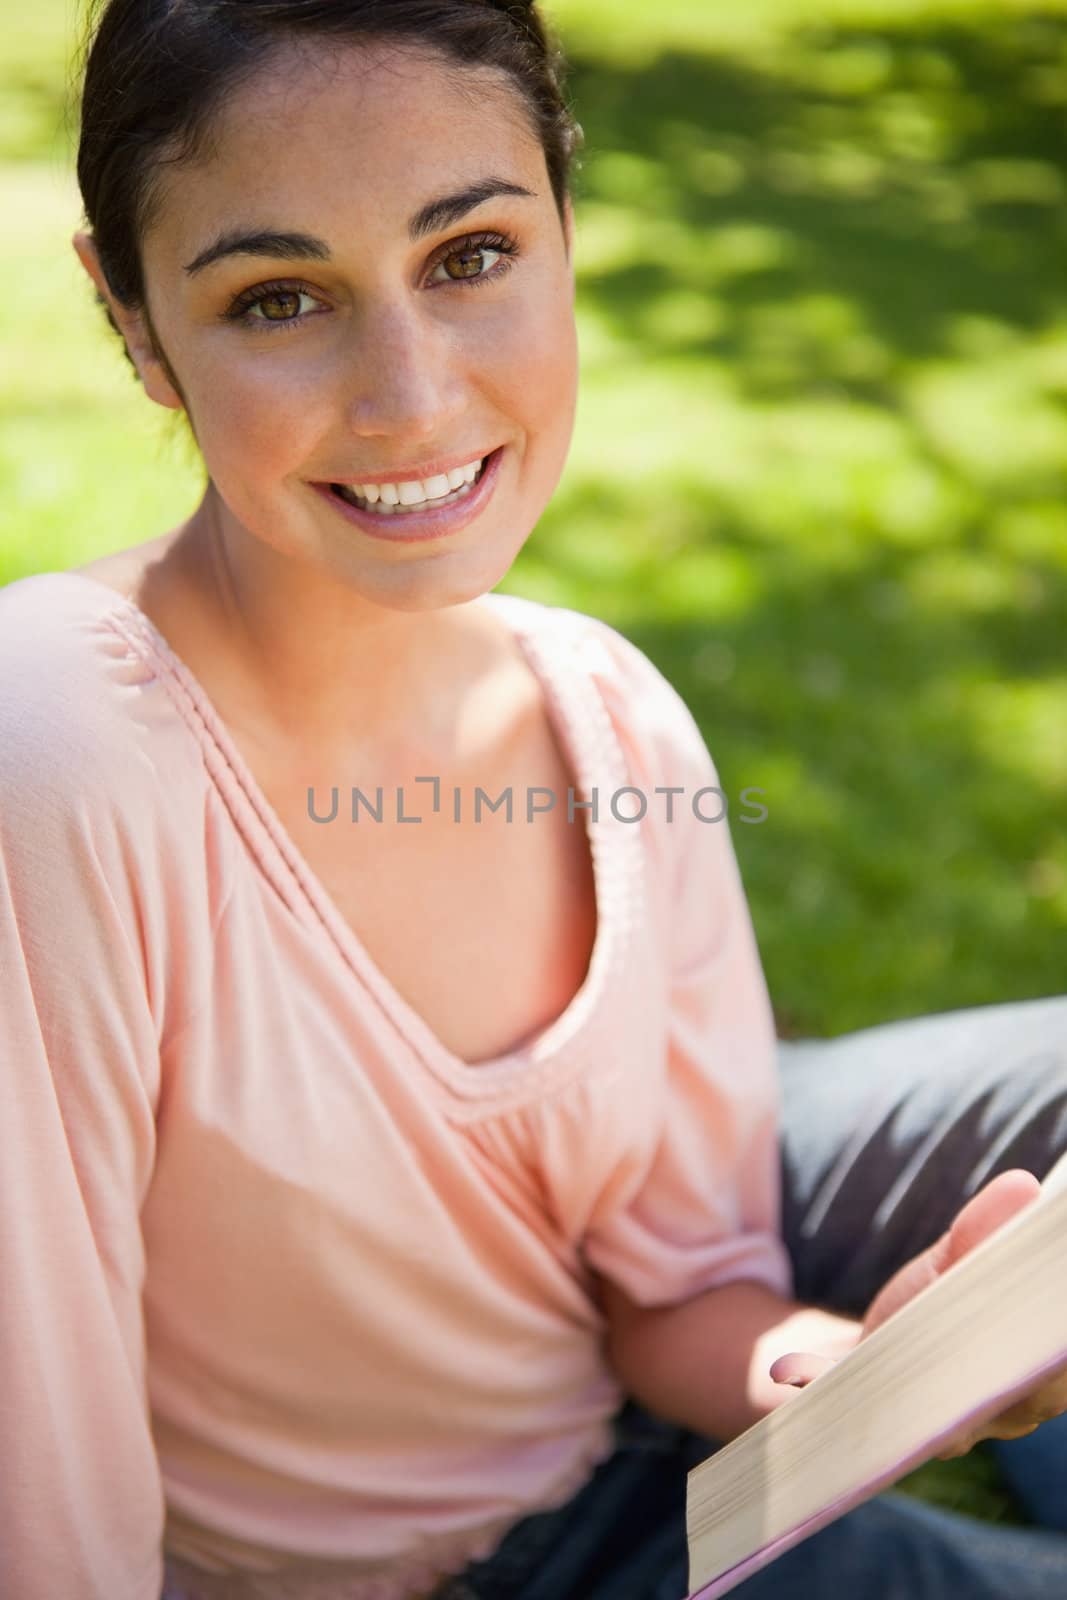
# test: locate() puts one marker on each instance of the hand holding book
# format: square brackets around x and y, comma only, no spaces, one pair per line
[1002,1198]
[967,1341]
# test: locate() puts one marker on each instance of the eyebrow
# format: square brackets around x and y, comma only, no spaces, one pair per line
[430,218]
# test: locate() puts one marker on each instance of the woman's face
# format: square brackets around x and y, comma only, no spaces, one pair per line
[361,353]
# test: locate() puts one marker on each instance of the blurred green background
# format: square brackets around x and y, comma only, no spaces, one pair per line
[820,465]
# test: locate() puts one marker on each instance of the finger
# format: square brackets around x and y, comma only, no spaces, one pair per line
[1043,1404]
[1009,1430]
[799,1368]
[994,1205]
[1029,1413]
[1006,1194]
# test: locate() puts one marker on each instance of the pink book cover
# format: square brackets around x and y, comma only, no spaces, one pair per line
[763,1557]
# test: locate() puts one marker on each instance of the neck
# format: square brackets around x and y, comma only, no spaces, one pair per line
[311,662]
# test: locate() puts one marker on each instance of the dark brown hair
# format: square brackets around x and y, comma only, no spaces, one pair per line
[156,72]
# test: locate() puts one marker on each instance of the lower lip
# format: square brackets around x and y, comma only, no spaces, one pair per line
[406,527]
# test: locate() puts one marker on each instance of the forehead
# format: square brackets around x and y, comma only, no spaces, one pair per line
[329,124]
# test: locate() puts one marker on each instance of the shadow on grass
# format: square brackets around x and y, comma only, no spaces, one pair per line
[916,174]
[881,688]
[887,878]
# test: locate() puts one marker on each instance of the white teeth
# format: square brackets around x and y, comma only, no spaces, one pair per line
[413,490]
[381,509]
[413,495]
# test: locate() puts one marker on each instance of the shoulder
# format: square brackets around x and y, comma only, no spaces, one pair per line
[107,821]
[651,718]
[83,712]
[684,822]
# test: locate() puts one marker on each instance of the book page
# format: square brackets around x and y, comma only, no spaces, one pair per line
[1056,1181]
[963,1345]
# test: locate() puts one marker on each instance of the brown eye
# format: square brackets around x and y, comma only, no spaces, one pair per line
[480,258]
[470,263]
[280,306]
[274,305]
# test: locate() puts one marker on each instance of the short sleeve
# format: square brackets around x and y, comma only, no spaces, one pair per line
[81,1502]
[705,1208]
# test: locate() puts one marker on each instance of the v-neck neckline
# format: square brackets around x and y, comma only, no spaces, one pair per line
[587,739]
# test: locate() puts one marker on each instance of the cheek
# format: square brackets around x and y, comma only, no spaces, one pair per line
[550,396]
[258,417]
[529,370]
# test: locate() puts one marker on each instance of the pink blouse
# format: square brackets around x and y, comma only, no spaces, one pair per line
[292,1297]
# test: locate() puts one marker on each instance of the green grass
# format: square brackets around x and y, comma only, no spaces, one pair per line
[819,471]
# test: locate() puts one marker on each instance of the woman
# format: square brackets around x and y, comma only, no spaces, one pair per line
[355,1171]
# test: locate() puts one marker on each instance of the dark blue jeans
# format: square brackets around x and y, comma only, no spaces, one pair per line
[885,1134]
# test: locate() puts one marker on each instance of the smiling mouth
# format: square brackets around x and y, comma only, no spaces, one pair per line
[348,493]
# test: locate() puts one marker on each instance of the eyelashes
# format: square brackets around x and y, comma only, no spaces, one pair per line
[474,244]
[242,308]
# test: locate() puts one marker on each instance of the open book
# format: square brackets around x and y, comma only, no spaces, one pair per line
[961,1352]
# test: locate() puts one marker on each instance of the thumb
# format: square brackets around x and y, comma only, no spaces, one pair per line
[985,1212]
[1000,1200]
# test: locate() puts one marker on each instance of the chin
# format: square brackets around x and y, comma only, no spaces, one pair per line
[437,579]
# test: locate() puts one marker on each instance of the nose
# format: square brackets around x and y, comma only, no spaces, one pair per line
[404,377]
